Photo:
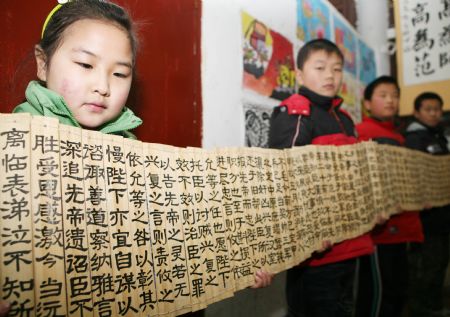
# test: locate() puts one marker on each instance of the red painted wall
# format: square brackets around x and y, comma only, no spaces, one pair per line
[167,94]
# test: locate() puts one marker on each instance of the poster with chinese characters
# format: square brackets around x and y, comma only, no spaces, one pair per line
[268,60]
[425,27]
[313,18]
[423,49]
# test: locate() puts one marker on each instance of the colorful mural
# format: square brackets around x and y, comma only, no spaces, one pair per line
[313,17]
[350,93]
[366,63]
[345,39]
[268,60]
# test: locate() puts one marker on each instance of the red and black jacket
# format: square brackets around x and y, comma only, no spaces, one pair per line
[309,118]
[404,227]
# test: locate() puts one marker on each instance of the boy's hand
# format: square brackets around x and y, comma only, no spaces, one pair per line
[381,220]
[262,279]
[4,308]
[326,245]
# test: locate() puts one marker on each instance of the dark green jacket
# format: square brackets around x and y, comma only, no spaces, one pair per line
[44,102]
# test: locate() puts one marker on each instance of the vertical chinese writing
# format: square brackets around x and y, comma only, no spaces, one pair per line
[120,233]
[97,224]
[388,201]
[376,178]
[302,179]
[283,243]
[350,195]
[197,227]
[425,29]
[288,209]
[218,266]
[78,277]
[445,176]
[16,260]
[369,186]
[236,192]
[47,218]
[140,229]
[166,229]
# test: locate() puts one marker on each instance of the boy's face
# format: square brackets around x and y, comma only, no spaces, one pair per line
[384,102]
[322,73]
[91,70]
[430,112]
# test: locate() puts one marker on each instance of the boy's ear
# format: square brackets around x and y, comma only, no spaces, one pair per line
[41,63]
[367,104]
[299,76]
[416,114]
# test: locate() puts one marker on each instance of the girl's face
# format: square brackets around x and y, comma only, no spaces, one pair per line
[91,69]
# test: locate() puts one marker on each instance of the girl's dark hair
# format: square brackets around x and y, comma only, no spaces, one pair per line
[76,10]
[314,46]
[426,96]
[368,92]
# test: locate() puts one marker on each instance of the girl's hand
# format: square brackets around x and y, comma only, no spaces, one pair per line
[262,279]
[4,308]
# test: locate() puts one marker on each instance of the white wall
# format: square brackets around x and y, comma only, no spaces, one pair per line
[222,65]
[372,24]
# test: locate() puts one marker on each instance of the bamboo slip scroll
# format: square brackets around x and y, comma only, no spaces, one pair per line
[99,225]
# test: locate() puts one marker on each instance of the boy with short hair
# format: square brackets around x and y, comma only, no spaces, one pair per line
[383,276]
[428,260]
[322,285]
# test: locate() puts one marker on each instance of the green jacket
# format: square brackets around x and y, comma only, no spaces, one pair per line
[44,102]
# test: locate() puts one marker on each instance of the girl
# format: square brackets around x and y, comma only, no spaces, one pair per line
[85,63]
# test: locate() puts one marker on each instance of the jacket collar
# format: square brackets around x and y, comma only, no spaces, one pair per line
[325,102]
[388,124]
[53,105]
[417,125]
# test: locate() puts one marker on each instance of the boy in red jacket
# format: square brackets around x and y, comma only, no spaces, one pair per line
[383,276]
[322,285]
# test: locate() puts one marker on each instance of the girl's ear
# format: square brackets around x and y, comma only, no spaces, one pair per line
[41,63]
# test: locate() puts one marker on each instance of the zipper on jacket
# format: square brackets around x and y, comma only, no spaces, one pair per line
[338,120]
